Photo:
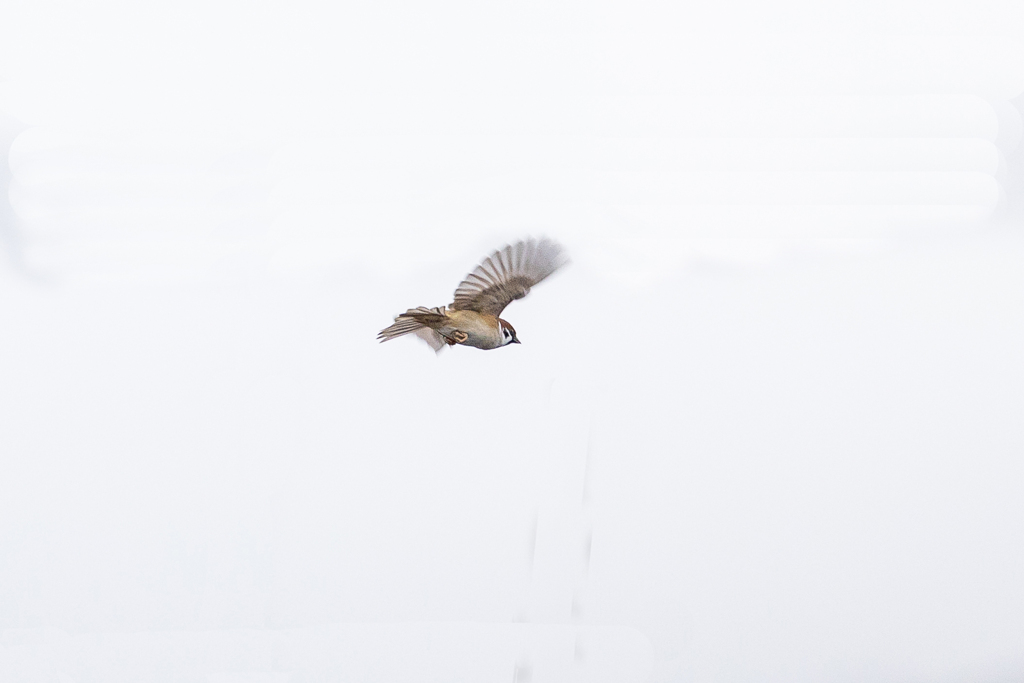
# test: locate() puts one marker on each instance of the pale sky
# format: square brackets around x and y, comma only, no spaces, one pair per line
[765,426]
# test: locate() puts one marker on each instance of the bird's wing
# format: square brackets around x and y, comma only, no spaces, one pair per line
[508,274]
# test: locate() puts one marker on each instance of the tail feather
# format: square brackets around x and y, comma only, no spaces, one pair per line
[417,320]
[432,337]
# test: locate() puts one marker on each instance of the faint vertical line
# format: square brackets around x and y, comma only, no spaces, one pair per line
[586,542]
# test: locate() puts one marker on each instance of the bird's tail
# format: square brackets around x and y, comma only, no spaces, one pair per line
[417,320]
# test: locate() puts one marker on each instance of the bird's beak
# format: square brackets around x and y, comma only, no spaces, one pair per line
[516,341]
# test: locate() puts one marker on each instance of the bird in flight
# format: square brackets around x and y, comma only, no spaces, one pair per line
[472,319]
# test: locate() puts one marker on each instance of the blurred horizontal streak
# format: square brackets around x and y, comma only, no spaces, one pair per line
[102,205]
[359,161]
[739,114]
[861,154]
[807,222]
[563,168]
[784,188]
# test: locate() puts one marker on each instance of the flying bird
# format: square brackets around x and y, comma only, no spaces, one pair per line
[472,318]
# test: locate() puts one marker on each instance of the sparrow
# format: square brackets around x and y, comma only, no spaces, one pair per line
[472,318]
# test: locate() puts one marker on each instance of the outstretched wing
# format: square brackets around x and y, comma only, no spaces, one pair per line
[508,274]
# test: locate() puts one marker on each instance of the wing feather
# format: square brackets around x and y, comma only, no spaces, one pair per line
[507,275]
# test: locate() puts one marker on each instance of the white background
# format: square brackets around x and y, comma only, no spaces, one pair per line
[766,426]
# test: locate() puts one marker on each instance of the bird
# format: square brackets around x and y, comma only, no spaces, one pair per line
[472,318]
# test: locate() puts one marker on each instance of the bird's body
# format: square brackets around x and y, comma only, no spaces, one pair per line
[472,319]
[482,331]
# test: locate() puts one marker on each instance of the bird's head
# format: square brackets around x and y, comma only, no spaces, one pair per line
[508,333]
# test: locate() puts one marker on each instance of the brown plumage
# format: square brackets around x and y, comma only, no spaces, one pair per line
[472,318]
